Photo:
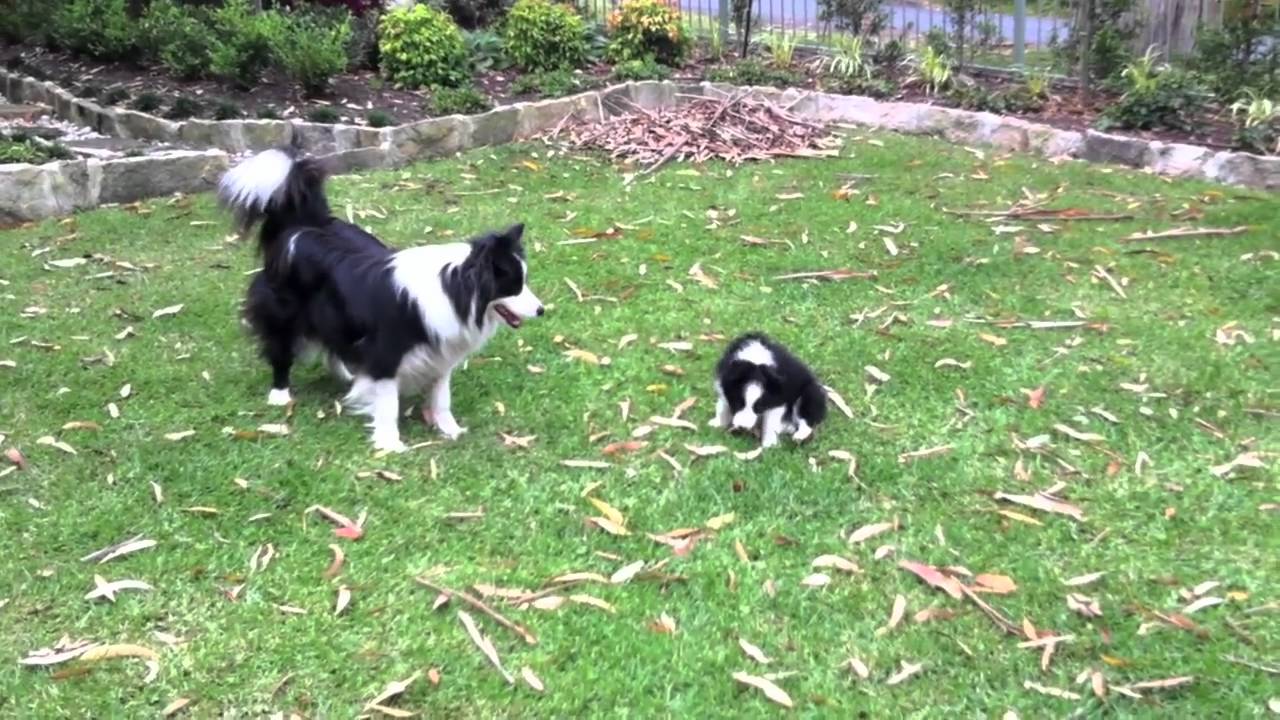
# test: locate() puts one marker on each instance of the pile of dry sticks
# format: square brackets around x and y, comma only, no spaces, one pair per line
[735,128]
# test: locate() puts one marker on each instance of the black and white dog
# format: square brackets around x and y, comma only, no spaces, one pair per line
[390,322]
[759,382]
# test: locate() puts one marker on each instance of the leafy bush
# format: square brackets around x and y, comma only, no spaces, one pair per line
[889,54]
[379,119]
[1115,27]
[313,49]
[485,50]
[183,108]
[115,96]
[323,114]
[847,59]
[973,96]
[421,47]
[474,14]
[855,16]
[362,49]
[243,41]
[98,28]
[544,35]
[1258,123]
[873,87]
[19,148]
[1156,98]
[782,48]
[458,101]
[357,8]
[227,110]
[647,28]
[25,21]
[754,72]
[1243,53]
[646,69]
[554,83]
[177,37]
[934,70]
[147,102]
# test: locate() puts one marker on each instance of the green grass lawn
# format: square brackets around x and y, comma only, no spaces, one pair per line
[1145,373]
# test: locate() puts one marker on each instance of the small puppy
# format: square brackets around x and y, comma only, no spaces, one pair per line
[759,382]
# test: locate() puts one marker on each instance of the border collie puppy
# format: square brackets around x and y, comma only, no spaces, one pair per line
[390,322]
[759,383]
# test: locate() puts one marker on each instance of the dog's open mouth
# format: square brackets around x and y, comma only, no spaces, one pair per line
[512,319]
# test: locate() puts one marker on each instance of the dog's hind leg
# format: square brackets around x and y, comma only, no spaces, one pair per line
[279,352]
[724,415]
[440,410]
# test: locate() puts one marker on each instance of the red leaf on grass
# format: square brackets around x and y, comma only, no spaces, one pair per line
[349,532]
[934,577]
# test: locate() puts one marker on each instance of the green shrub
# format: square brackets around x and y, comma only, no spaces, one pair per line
[227,110]
[19,148]
[183,108]
[485,50]
[543,35]
[421,47]
[473,14]
[646,28]
[754,72]
[379,119]
[87,91]
[1168,99]
[178,38]
[646,69]
[25,21]
[98,28]
[313,49]
[458,101]
[323,114]
[873,87]
[147,102]
[1257,120]
[554,83]
[244,41]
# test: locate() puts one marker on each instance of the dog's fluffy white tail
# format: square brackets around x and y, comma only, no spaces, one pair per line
[250,187]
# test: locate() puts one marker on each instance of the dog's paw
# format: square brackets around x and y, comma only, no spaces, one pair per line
[804,432]
[279,397]
[389,443]
[449,427]
[769,441]
[716,422]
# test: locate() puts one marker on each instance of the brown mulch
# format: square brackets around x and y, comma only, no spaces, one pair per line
[735,128]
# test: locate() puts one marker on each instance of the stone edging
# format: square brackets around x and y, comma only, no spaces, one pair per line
[31,192]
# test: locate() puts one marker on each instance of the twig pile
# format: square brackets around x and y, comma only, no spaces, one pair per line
[735,128]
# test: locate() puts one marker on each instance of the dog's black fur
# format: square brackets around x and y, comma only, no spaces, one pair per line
[786,383]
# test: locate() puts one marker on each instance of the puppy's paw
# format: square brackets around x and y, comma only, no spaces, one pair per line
[279,397]
[769,441]
[717,422]
[802,433]
[449,427]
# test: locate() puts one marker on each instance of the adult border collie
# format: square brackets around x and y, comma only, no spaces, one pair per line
[758,382]
[389,321]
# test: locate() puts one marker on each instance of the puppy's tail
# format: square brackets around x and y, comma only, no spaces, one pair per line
[278,188]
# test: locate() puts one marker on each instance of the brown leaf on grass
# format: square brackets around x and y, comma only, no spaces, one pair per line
[908,669]
[585,464]
[577,577]
[664,625]
[335,567]
[934,577]
[177,436]
[933,613]
[548,603]
[1082,580]
[1084,605]
[586,356]
[839,402]
[122,650]
[1202,603]
[766,686]
[1051,691]
[108,590]
[1098,683]
[909,457]
[344,599]
[1035,398]
[609,526]
[56,443]
[1163,684]
[705,450]
[624,447]
[720,521]
[833,275]
[1078,435]
[484,644]
[173,707]
[15,456]
[898,612]
[859,668]
[816,580]
[703,279]
[532,680]
[1243,460]
[166,311]
[608,511]
[82,425]
[753,652]
[112,552]
[672,422]
[835,561]
[1020,517]
[1182,622]
[593,601]
[866,532]
[625,573]
[998,584]
[1043,503]
[993,339]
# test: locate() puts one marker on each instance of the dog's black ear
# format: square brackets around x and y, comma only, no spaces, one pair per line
[510,238]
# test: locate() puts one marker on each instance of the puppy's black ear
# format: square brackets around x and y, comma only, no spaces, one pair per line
[509,239]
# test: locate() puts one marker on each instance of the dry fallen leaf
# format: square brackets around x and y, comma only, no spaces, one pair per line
[108,590]
[344,599]
[624,447]
[625,573]
[859,668]
[484,644]
[175,706]
[898,611]
[1050,691]
[609,526]
[533,681]
[1044,503]
[1035,398]
[908,669]
[835,561]
[609,512]
[720,521]
[998,584]
[164,311]
[592,464]
[866,532]
[335,567]
[665,624]
[753,652]
[770,690]
[816,580]
[934,577]
[1082,580]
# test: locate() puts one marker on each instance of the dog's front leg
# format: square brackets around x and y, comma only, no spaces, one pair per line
[384,410]
[440,401]
[770,426]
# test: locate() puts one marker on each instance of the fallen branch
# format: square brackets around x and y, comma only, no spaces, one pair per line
[1001,621]
[1185,233]
[826,275]
[479,605]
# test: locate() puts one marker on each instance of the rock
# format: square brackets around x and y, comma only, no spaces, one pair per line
[799,102]
[32,192]
[141,126]
[24,113]
[1244,169]
[346,161]
[314,138]
[184,171]
[259,135]
[428,138]
[853,109]
[617,100]
[685,93]
[1051,142]
[539,117]
[653,95]
[34,91]
[1007,134]
[355,137]
[496,127]
[225,135]
[1116,149]
[1178,160]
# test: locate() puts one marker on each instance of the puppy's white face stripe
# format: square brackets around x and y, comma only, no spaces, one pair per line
[755,353]
[746,417]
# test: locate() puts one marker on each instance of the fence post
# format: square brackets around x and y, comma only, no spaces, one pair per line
[723,9]
[1020,33]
